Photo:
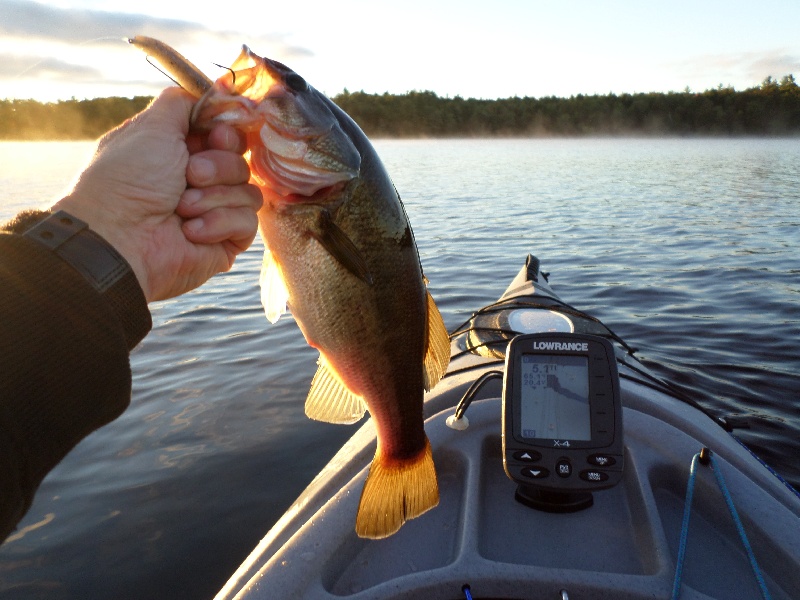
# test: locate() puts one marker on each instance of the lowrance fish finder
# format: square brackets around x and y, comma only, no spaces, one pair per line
[562,419]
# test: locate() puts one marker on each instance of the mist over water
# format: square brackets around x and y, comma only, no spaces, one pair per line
[685,248]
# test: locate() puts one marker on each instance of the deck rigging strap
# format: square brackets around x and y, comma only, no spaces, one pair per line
[705,456]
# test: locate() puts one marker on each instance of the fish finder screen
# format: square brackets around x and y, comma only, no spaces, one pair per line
[555,397]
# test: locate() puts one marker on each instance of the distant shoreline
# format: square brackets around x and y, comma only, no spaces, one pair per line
[771,109]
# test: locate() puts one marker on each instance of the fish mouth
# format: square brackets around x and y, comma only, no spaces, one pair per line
[297,147]
[299,166]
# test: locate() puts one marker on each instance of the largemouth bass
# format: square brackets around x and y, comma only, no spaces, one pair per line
[341,253]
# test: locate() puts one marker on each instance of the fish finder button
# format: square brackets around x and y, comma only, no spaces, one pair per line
[564,468]
[527,456]
[535,472]
[601,460]
[594,476]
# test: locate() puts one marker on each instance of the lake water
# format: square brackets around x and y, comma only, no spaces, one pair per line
[687,248]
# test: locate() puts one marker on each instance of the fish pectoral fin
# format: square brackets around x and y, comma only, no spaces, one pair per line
[274,294]
[330,401]
[396,491]
[341,247]
[437,347]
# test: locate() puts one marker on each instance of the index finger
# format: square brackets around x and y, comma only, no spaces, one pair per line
[216,167]
[221,137]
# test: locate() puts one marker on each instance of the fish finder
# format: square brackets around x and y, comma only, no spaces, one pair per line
[562,419]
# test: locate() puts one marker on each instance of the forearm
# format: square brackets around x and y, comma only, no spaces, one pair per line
[64,349]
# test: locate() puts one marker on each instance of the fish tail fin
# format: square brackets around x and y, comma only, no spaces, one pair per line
[437,347]
[395,491]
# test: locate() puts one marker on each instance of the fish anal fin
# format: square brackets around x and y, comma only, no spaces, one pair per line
[330,401]
[274,294]
[396,491]
[437,347]
[341,247]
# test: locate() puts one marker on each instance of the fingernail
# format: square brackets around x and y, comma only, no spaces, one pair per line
[201,169]
[194,225]
[191,197]
[231,139]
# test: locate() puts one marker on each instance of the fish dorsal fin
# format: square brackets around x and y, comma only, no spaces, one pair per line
[437,347]
[274,294]
[330,401]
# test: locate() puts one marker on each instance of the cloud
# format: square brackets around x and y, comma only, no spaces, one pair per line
[49,51]
[744,68]
[776,64]
[22,18]
[18,66]
[32,20]
[294,52]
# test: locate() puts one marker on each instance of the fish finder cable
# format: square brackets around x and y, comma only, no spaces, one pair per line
[458,420]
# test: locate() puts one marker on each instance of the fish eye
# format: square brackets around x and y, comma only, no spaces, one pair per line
[297,83]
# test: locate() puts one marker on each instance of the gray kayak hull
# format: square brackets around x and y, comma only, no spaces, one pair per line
[623,547]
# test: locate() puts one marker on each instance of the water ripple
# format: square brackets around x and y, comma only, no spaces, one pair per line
[686,248]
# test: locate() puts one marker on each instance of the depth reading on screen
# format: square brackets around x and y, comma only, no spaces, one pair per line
[555,397]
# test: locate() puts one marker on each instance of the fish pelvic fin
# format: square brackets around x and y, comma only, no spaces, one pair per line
[396,491]
[274,294]
[437,347]
[330,401]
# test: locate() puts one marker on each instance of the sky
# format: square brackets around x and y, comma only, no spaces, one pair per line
[473,49]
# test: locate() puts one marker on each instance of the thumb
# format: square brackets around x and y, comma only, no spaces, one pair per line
[170,109]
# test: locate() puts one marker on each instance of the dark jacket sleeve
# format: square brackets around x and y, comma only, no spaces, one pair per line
[64,361]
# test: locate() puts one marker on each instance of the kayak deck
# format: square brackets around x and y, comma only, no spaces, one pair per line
[623,547]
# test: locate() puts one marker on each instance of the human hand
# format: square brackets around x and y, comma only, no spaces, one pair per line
[177,205]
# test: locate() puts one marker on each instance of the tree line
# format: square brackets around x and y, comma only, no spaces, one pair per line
[66,119]
[772,108]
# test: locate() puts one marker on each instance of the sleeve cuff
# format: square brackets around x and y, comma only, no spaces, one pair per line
[101,266]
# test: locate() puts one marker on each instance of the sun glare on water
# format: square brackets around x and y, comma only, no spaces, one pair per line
[43,171]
